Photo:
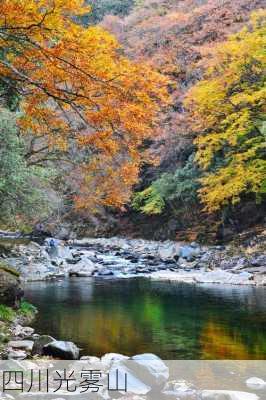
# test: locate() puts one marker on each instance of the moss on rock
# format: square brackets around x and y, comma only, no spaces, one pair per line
[10,289]
[5,267]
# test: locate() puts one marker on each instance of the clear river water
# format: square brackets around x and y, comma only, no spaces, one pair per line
[172,320]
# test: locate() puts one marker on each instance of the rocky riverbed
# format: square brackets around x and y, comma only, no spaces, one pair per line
[240,264]
[243,264]
[143,376]
[148,376]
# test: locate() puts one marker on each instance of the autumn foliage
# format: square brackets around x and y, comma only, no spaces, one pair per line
[176,82]
[213,57]
[228,112]
[76,86]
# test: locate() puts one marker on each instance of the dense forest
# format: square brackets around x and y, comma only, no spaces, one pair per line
[143,117]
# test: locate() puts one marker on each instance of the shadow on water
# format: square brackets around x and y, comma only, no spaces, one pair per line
[175,321]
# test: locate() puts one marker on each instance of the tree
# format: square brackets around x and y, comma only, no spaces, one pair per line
[23,189]
[228,112]
[75,85]
[179,189]
[100,8]
[175,36]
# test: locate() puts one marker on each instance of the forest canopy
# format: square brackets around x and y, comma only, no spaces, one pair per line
[73,85]
[148,107]
[229,115]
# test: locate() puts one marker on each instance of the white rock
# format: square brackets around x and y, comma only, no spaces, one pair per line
[16,355]
[22,331]
[180,389]
[61,349]
[26,345]
[109,358]
[227,395]
[134,384]
[256,383]
[149,368]
[169,252]
[218,276]
[91,359]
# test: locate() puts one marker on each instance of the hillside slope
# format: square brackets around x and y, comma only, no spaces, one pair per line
[176,38]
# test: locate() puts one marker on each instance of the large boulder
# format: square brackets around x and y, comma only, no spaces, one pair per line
[127,380]
[256,383]
[40,342]
[62,350]
[110,358]
[84,268]
[10,289]
[150,369]
[16,355]
[25,345]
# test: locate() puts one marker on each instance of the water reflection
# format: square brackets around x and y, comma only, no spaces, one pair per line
[175,321]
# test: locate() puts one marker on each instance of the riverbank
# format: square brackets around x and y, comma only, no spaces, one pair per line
[14,327]
[118,259]
[242,262]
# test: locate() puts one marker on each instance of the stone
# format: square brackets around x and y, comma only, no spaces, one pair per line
[84,268]
[127,377]
[259,260]
[260,279]
[256,383]
[180,389]
[242,263]
[80,274]
[16,355]
[188,264]
[189,252]
[25,345]
[62,350]
[73,261]
[40,270]
[90,359]
[22,331]
[224,277]
[109,358]
[217,276]
[169,252]
[206,257]
[227,395]
[40,342]
[64,231]
[105,272]
[257,270]
[230,263]
[34,247]
[150,369]
[27,331]
[10,289]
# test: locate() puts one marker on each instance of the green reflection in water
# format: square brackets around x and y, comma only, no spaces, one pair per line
[175,321]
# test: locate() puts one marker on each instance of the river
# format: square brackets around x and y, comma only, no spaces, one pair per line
[173,320]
